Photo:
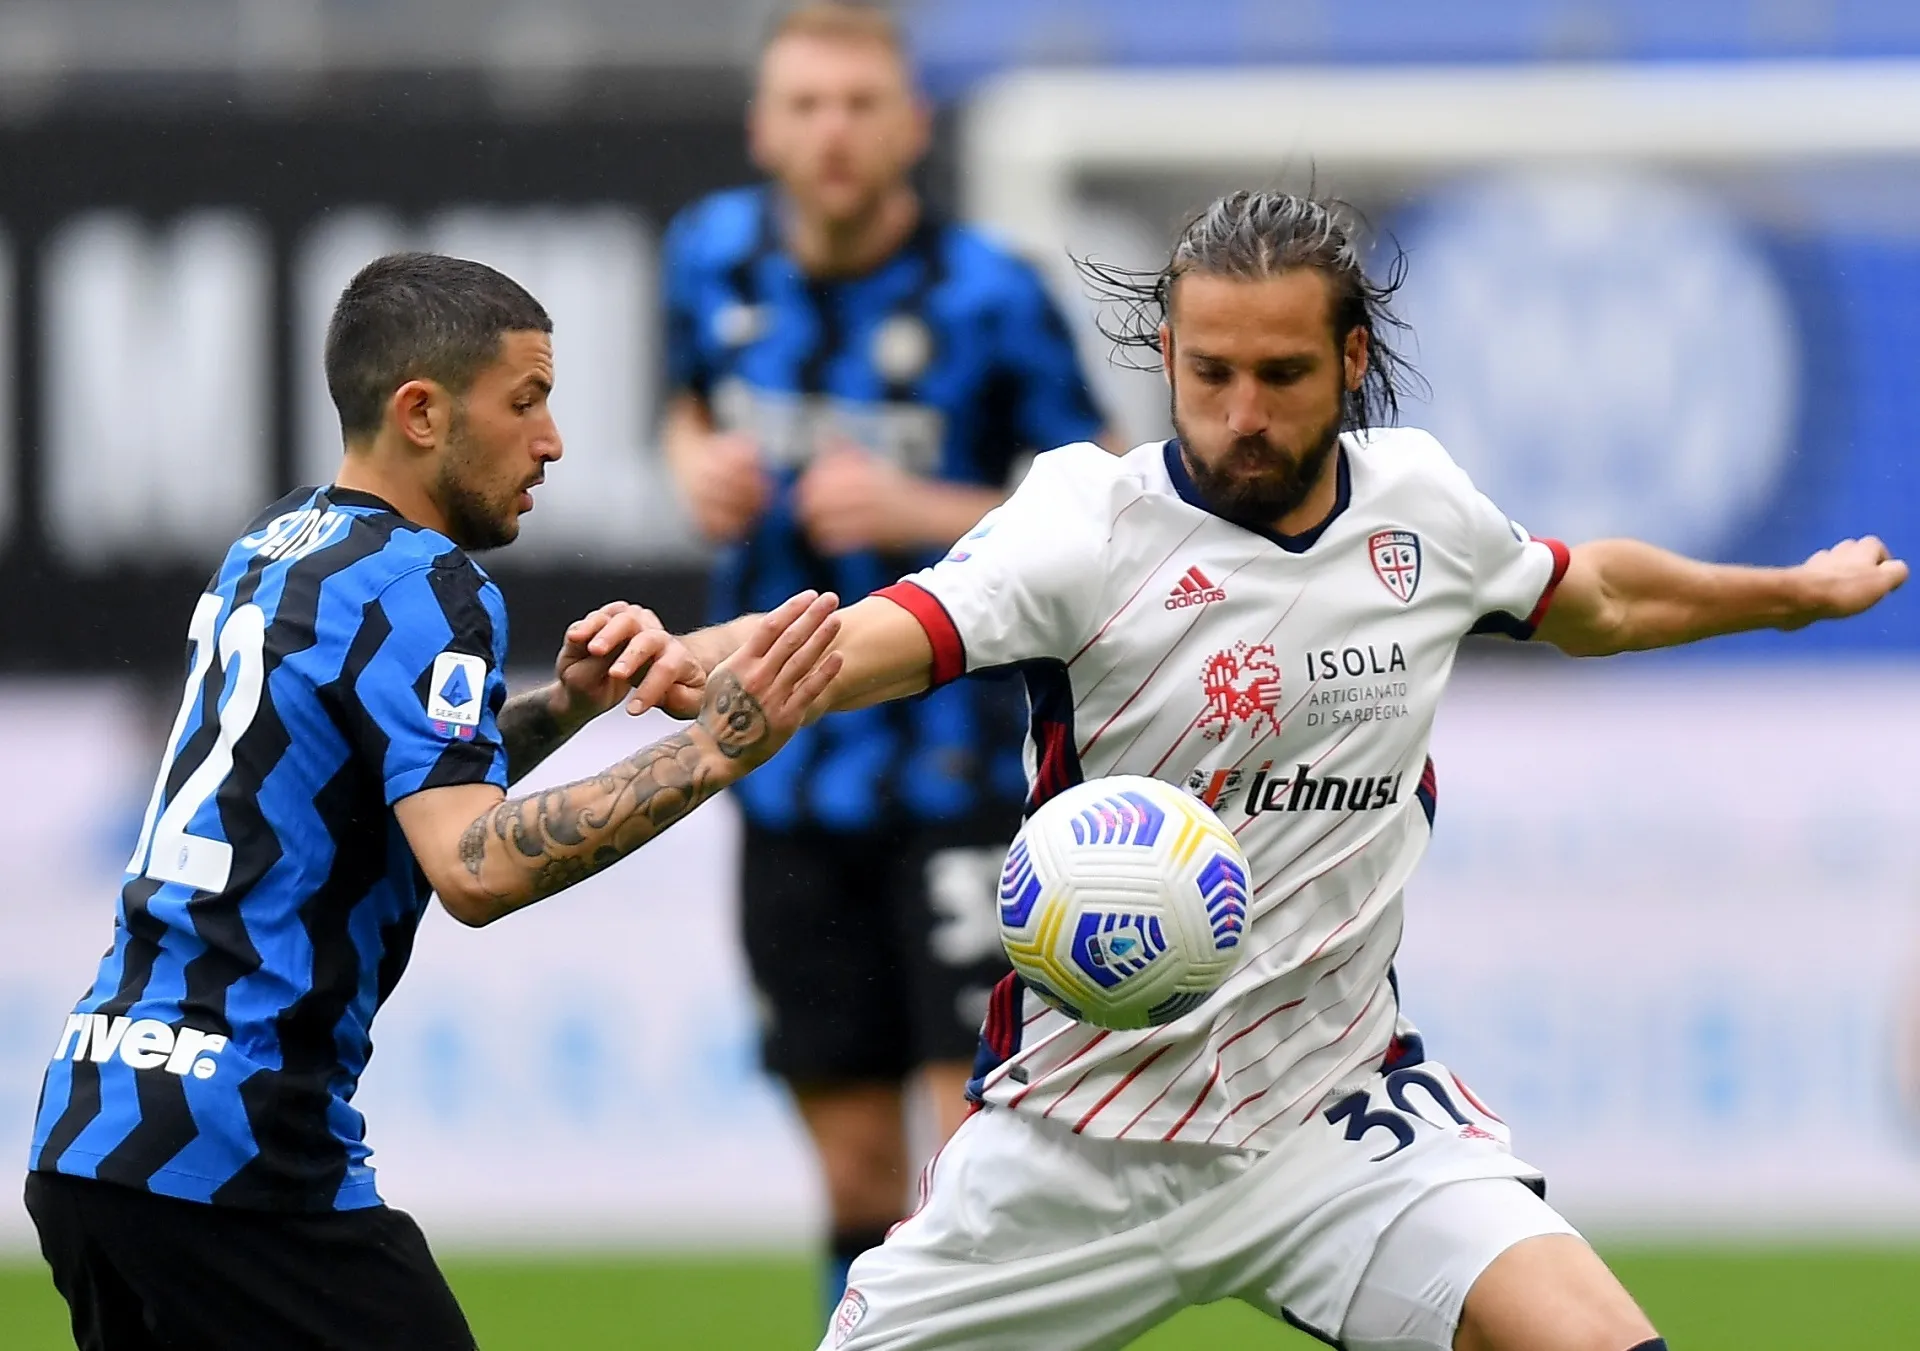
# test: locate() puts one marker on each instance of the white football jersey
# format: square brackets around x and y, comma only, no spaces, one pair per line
[1288,681]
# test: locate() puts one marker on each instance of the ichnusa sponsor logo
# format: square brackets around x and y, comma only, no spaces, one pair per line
[1305,792]
[141,1044]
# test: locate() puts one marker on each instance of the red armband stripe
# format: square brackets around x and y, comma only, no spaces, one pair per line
[1561,557]
[949,653]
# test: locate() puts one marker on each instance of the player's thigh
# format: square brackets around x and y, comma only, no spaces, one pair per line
[361,1278]
[944,1084]
[312,1282]
[107,1313]
[222,1279]
[386,1290]
[1550,1293]
[947,918]
[815,917]
[1486,1265]
[1028,1236]
[1321,1205]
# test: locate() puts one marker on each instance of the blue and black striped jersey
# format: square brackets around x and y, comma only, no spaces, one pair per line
[342,658]
[949,359]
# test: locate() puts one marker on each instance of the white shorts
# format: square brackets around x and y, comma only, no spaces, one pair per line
[1367,1227]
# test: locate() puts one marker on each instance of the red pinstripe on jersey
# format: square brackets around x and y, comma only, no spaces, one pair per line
[1127,702]
[1101,632]
[1321,1086]
[1117,1089]
[1096,1039]
[1194,1106]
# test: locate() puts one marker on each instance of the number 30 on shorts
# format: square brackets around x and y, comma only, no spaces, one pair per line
[1433,1106]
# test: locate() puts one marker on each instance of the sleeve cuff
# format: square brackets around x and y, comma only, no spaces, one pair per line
[1561,557]
[949,653]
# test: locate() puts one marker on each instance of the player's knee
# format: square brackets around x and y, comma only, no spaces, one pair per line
[865,1203]
[865,1179]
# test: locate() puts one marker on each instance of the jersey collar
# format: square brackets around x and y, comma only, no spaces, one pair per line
[1293,544]
[353,497]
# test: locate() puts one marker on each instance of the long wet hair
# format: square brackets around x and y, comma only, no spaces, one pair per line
[1252,236]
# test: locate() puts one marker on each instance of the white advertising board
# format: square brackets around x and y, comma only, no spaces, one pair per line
[1669,928]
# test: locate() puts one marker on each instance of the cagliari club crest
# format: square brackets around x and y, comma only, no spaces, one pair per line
[1396,561]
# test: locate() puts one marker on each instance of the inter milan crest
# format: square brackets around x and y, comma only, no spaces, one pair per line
[1396,561]
[902,348]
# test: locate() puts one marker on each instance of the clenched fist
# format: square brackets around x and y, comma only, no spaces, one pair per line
[1852,576]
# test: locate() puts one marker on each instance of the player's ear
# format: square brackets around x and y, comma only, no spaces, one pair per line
[1356,357]
[420,413]
[1166,351]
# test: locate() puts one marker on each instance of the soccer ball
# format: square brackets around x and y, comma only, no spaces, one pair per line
[1123,902]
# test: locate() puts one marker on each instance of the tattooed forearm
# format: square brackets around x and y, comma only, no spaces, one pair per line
[529,847]
[529,731]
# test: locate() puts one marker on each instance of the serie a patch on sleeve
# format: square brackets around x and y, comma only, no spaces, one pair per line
[455,694]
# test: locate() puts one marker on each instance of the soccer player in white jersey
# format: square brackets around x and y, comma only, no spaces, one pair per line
[1264,610]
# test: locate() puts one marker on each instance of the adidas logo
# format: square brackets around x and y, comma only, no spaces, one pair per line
[1194,589]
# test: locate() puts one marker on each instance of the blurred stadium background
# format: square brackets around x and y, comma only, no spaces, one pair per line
[1666,280]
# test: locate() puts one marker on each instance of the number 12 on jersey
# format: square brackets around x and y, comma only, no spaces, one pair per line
[166,852]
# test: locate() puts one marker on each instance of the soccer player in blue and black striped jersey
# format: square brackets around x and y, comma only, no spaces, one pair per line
[854,379]
[199,1174]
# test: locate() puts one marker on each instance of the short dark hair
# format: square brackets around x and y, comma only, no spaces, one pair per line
[1255,235]
[413,316]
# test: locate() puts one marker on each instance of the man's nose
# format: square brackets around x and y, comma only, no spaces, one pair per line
[1246,412]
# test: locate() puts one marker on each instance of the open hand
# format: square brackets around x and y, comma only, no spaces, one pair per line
[1852,576]
[622,651]
[758,697]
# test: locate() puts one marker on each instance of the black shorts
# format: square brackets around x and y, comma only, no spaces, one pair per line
[872,954]
[143,1272]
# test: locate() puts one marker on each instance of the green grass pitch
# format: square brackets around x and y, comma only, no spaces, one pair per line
[1864,1299]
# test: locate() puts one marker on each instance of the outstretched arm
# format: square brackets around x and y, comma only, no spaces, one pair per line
[619,652]
[487,857]
[1620,595]
[885,653]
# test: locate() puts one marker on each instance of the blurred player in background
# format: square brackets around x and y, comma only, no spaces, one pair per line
[853,379]
[1289,1143]
[199,1175]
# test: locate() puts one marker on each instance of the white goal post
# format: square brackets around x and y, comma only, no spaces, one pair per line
[1029,136]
